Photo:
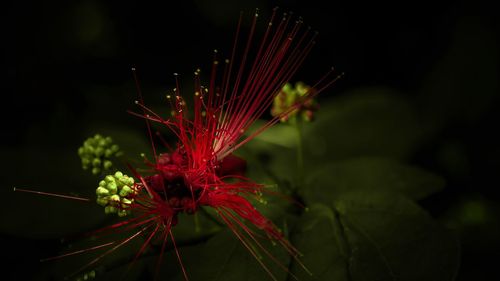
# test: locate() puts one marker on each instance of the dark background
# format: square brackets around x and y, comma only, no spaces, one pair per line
[68,73]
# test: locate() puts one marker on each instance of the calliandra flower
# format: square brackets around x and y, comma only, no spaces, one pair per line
[201,170]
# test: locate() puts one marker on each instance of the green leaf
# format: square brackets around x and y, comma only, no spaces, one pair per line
[196,226]
[269,164]
[364,122]
[391,238]
[224,257]
[370,174]
[284,135]
[317,237]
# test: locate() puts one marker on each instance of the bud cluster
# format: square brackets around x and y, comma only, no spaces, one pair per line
[96,153]
[116,194]
[289,96]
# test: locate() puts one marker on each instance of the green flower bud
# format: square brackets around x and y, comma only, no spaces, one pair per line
[99,151]
[110,210]
[85,161]
[122,213]
[112,187]
[109,178]
[101,191]
[115,198]
[108,153]
[102,201]
[126,203]
[126,190]
[107,164]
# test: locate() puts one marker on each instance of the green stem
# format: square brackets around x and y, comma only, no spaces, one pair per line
[300,153]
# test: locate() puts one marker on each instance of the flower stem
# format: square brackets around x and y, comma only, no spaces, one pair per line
[300,153]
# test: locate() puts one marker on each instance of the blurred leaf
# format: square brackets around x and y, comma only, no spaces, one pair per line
[279,134]
[364,122]
[269,163]
[224,257]
[369,174]
[317,237]
[477,219]
[391,238]
[274,166]
[194,227]
[464,83]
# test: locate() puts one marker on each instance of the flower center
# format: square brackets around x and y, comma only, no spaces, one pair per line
[170,183]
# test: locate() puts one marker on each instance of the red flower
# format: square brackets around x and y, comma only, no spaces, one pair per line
[201,170]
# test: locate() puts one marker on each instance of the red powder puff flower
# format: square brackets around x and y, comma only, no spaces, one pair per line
[201,170]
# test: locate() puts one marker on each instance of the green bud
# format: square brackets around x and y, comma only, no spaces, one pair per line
[108,153]
[103,201]
[101,191]
[122,213]
[126,190]
[99,151]
[126,202]
[109,178]
[112,187]
[107,164]
[96,170]
[114,198]
[101,143]
[110,210]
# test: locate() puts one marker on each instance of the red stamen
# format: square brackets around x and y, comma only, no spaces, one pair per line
[77,252]
[52,194]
